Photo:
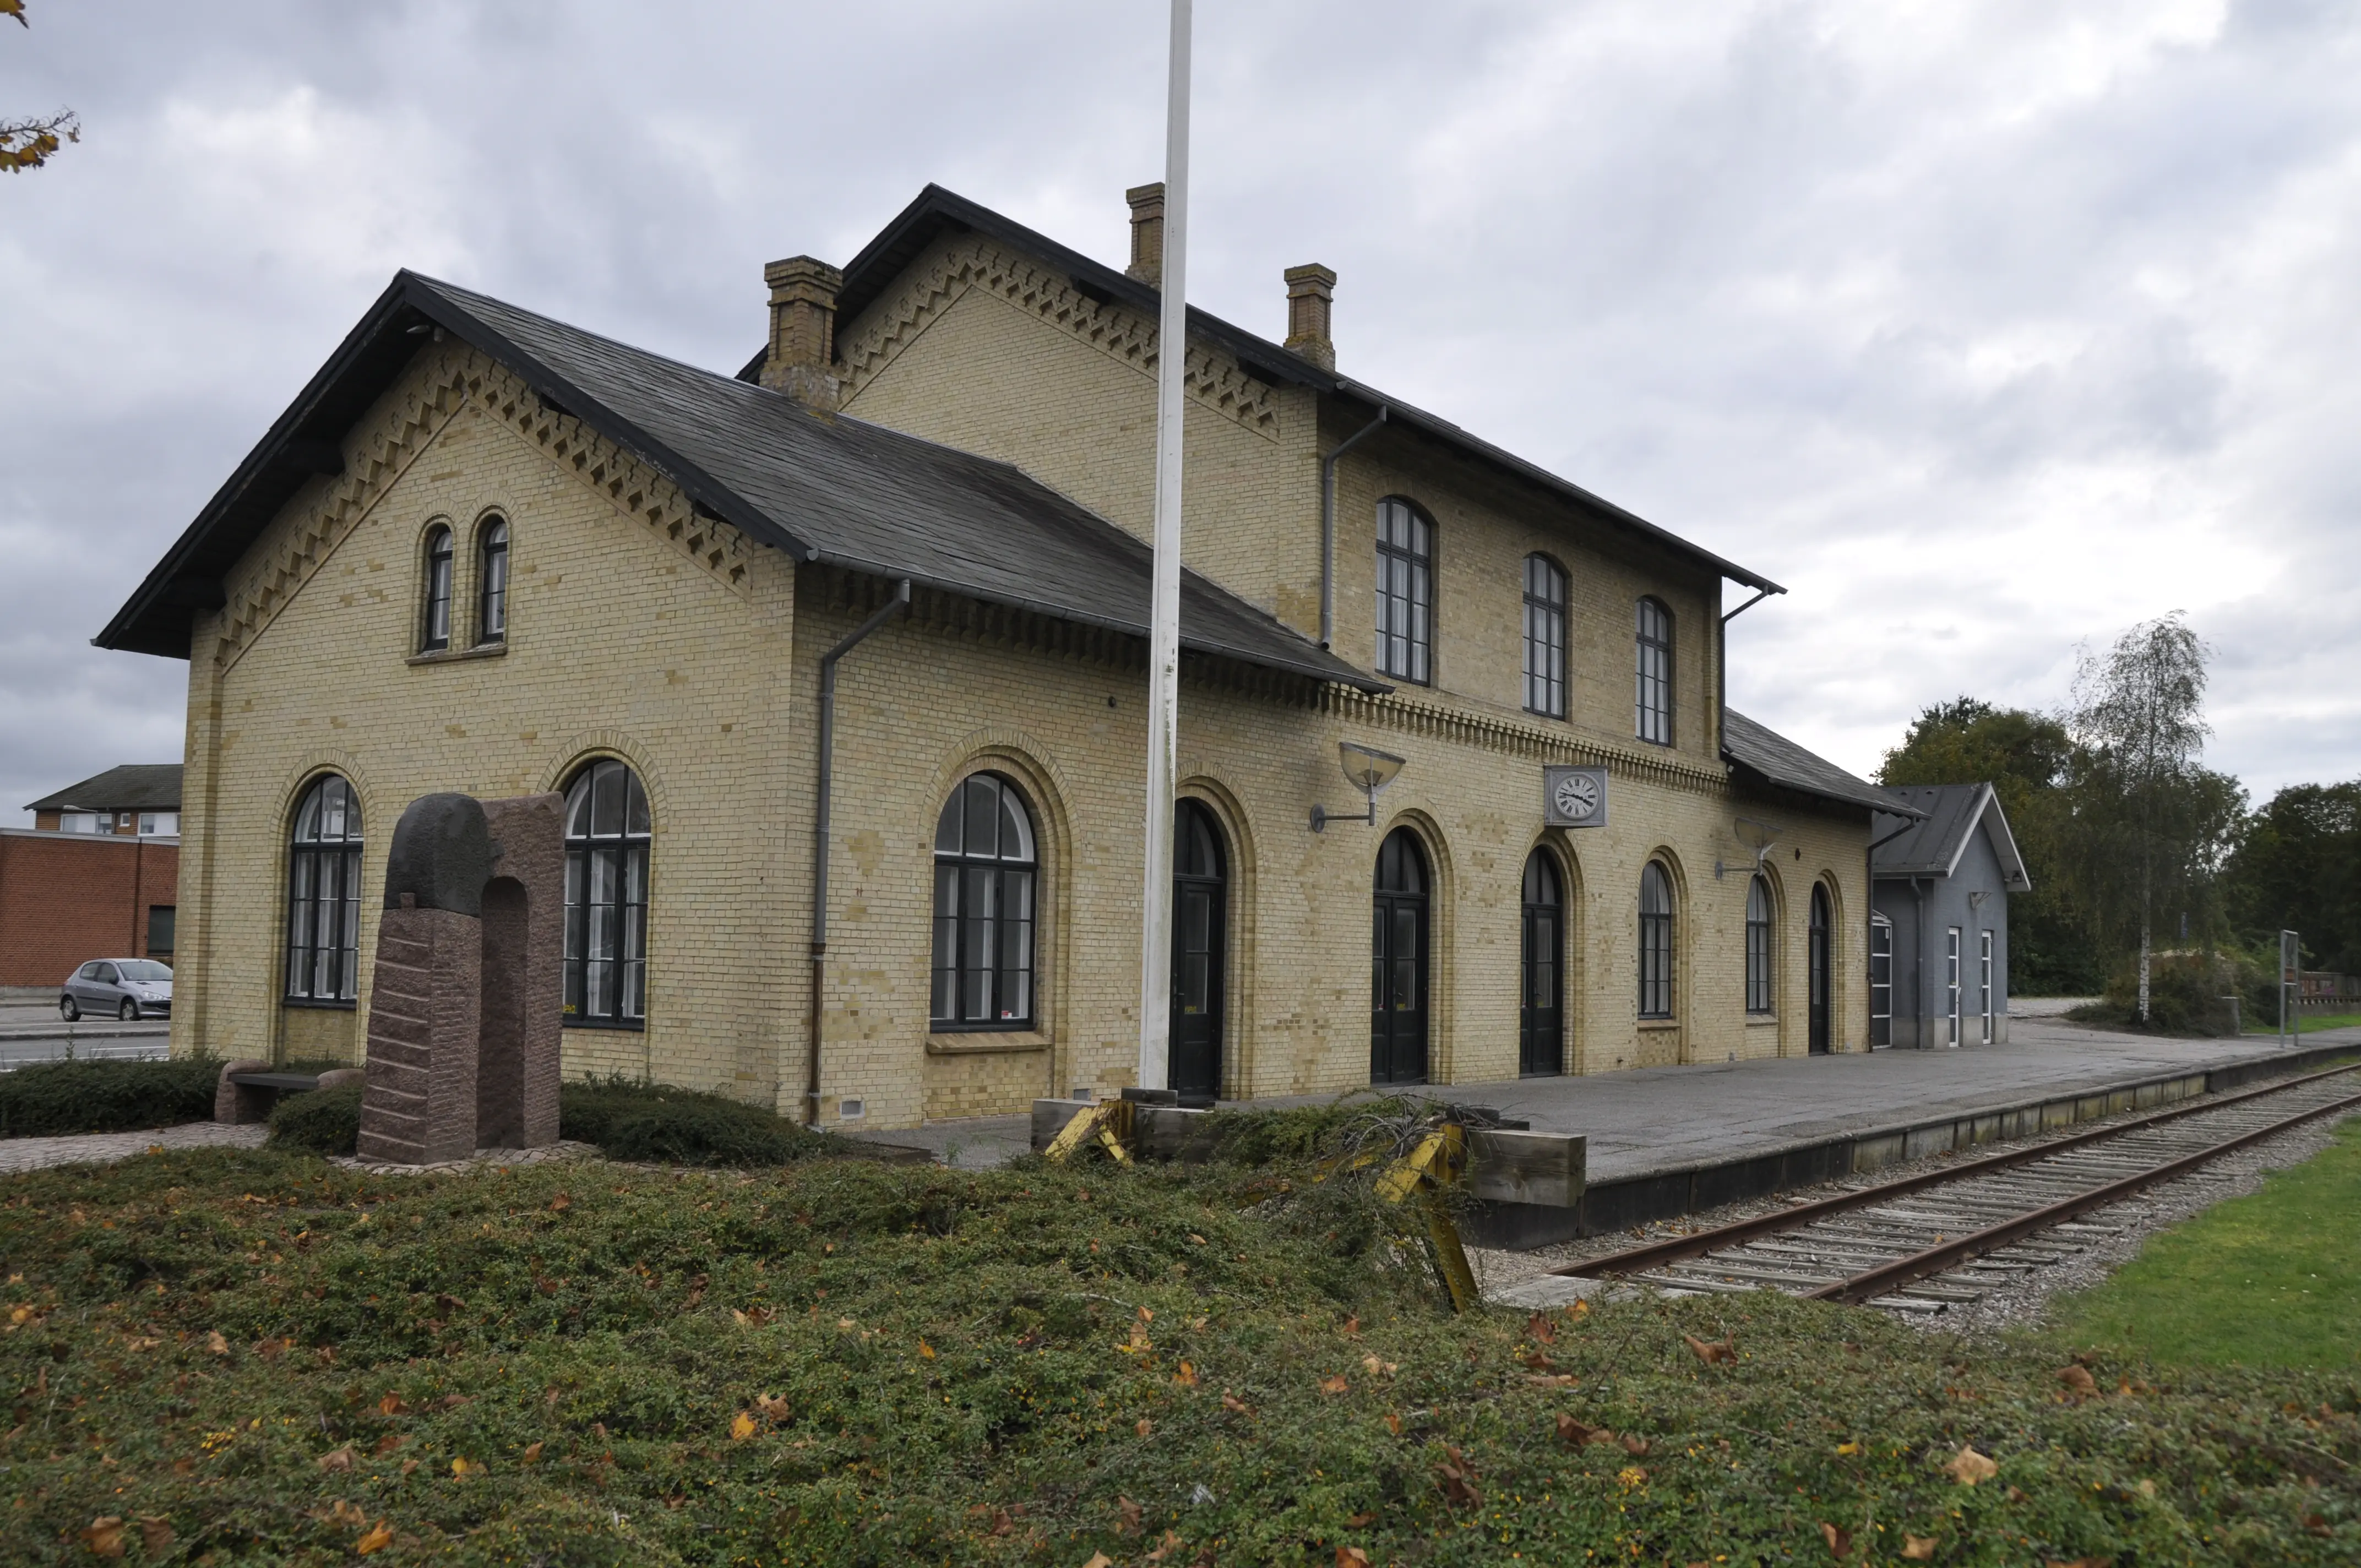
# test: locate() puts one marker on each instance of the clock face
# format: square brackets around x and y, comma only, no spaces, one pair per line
[1576,796]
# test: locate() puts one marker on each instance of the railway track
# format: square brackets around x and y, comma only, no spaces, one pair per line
[1946,1238]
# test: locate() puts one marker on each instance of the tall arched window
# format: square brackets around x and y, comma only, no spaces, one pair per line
[1544,637]
[1654,682]
[323,894]
[1758,946]
[985,870]
[1655,942]
[434,617]
[492,582]
[1398,963]
[607,838]
[1405,591]
[1541,1010]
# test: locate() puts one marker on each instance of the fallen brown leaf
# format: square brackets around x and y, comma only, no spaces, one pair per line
[338,1458]
[1172,1540]
[1335,1385]
[216,1344]
[532,1452]
[1144,1426]
[1539,1327]
[1126,1520]
[377,1540]
[410,1468]
[1353,1324]
[1360,1522]
[1840,1540]
[388,1442]
[1968,1467]
[1458,1478]
[742,1427]
[2079,1379]
[773,1405]
[452,1401]
[1186,1377]
[1099,1560]
[392,1405]
[560,1203]
[1393,1423]
[155,1534]
[2080,1563]
[1352,1557]
[105,1537]
[1235,1405]
[1918,1548]
[1711,1351]
[1635,1447]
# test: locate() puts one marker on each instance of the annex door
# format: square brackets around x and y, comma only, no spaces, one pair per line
[1398,1017]
[1200,919]
[1541,1012]
[1816,973]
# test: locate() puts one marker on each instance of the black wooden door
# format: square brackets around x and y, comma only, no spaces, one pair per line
[1541,1013]
[1200,918]
[1399,978]
[1817,978]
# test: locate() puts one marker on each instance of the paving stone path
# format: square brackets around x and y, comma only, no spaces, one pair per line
[36,1154]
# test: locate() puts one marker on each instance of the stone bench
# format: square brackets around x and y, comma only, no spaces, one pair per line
[247,1090]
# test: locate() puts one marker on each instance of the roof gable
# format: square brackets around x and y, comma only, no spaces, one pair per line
[1933,841]
[835,491]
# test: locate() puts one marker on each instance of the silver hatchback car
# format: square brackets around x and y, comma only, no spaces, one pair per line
[126,988]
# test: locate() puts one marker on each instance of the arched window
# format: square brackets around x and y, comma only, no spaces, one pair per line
[985,870]
[1655,942]
[323,894]
[434,620]
[1816,975]
[1654,684]
[1199,929]
[492,582]
[607,838]
[1540,1013]
[1758,946]
[1544,637]
[1398,963]
[1405,591]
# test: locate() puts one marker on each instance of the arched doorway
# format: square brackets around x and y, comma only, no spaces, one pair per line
[1817,969]
[1541,1010]
[1200,918]
[1398,1014]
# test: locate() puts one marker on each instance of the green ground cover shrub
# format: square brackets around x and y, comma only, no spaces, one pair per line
[325,1121]
[50,1099]
[839,1362]
[2269,1279]
[2186,995]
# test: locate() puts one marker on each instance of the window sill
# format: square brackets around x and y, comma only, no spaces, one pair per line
[1760,1020]
[325,1004]
[456,655]
[1660,1023]
[986,1042]
[630,1025]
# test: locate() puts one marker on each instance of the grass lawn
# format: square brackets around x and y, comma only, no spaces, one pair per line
[258,1357]
[2269,1279]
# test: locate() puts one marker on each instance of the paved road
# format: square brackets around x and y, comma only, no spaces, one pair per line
[31,1031]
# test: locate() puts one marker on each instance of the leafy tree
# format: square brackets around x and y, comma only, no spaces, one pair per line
[2151,825]
[2028,758]
[2296,867]
[28,144]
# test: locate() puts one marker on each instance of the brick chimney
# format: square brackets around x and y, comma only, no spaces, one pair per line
[1147,233]
[1311,292]
[802,361]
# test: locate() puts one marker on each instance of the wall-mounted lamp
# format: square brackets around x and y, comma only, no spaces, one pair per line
[1757,836]
[1368,771]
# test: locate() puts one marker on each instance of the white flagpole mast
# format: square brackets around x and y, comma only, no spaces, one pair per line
[1164,634]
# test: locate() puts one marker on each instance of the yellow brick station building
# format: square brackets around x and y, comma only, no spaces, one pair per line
[487,552]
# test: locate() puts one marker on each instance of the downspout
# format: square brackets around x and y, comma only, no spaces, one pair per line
[1721,656]
[1328,524]
[899,604]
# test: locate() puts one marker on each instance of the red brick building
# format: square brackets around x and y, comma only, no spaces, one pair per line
[98,877]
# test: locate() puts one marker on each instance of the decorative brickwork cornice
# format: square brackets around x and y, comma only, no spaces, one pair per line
[408,421]
[1214,380]
[1424,717]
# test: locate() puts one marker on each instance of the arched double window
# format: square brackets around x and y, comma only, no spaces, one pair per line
[985,866]
[323,893]
[1655,942]
[1405,591]
[492,581]
[434,608]
[1544,637]
[608,833]
[1758,946]
[1653,685]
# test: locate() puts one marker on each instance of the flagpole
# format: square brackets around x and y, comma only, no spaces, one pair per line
[1164,628]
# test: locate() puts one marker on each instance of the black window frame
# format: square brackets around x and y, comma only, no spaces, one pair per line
[319,860]
[1657,953]
[1406,654]
[1760,1001]
[1651,680]
[492,538]
[434,600]
[606,939]
[973,888]
[1545,661]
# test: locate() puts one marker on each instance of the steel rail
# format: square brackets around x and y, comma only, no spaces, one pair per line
[1678,1248]
[1875,1282]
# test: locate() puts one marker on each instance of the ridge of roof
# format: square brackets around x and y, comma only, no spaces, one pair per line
[837,490]
[1757,749]
[127,786]
[935,208]
[1937,840]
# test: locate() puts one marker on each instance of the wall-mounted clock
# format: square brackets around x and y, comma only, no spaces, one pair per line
[1574,797]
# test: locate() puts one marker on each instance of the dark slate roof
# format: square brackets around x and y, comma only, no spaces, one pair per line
[135,786]
[1932,843]
[1773,759]
[938,212]
[836,490]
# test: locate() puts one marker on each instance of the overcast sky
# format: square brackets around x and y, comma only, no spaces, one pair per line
[1987,328]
